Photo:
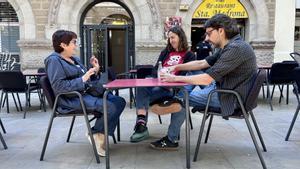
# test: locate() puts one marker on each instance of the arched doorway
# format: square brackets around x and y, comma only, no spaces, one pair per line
[107,31]
[209,8]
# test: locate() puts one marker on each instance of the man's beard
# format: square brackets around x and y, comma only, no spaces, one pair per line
[216,45]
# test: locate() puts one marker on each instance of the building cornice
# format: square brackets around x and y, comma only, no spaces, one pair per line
[263,44]
[45,44]
[150,45]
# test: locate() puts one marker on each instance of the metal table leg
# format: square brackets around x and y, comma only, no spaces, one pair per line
[106,129]
[187,129]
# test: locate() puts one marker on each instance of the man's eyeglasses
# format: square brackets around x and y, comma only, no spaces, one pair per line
[208,33]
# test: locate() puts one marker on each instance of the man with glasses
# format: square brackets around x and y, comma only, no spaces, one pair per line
[232,67]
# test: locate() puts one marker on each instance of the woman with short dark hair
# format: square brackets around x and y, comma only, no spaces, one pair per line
[66,73]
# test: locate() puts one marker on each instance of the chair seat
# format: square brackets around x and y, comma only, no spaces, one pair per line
[217,111]
[33,86]
[79,112]
[160,100]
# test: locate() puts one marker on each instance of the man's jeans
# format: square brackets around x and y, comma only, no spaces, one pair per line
[148,94]
[190,87]
[198,97]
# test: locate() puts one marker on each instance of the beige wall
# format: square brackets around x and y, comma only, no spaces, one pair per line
[284,29]
[40,10]
[40,18]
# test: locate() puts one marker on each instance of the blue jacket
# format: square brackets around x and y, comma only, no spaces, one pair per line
[66,77]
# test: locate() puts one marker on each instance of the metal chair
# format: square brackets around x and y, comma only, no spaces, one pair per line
[4,98]
[53,102]
[42,97]
[243,112]
[296,84]
[15,82]
[295,56]
[1,137]
[280,75]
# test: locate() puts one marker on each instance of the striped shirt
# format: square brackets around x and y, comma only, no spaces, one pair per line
[233,70]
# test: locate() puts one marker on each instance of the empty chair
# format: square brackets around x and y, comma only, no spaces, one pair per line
[243,112]
[1,137]
[296,77]
[35,81]
[144,71]
[15,82]
[280,74]
[41,70]
[295,56]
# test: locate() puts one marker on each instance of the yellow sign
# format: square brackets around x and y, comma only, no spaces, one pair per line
[209,8]
[123,22]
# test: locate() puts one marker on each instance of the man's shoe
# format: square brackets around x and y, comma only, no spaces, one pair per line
[164,144]
[140,133]
[99,142]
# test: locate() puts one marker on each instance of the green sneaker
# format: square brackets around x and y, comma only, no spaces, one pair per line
[140,133]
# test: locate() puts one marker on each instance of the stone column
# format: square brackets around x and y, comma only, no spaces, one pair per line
[34,52]
[147,52]
[263,51]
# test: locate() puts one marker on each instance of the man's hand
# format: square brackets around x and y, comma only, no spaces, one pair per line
[166,77]
[171,69]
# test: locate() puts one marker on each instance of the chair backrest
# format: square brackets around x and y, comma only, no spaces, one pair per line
[41,70]
[12,81]
[111,74]
[9,62]
[143,66]
[47,89]
[142,71]
[295,56]
[282,72]
[296,77]
[257,82]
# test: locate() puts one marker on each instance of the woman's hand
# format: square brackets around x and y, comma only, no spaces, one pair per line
[95,63]
[171,69]
[89,73]
[166,77]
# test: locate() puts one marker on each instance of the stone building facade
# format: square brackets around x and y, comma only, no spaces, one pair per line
[38,19]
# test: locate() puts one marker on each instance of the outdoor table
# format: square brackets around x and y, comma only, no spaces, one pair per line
[135,83]
[267,67]
[32,73]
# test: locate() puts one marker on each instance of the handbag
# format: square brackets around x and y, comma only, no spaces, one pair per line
[95,88]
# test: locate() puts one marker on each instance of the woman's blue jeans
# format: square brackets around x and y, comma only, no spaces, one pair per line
[115,106]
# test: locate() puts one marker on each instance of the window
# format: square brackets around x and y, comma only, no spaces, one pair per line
[9,28]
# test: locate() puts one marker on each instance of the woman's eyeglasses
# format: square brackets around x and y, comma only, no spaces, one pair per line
[75,42]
